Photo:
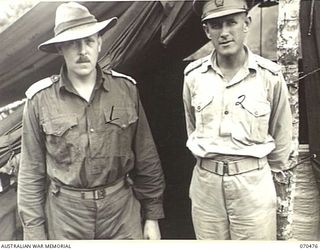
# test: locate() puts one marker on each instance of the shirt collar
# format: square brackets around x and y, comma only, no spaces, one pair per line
[211,61]
[66,84]
[105,83]
[207,62]
[251,60]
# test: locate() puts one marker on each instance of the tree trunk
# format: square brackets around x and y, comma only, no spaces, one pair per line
[288,53]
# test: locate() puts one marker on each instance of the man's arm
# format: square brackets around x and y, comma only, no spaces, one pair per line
[151,230]
[189,112]
[32,177]
[280,127]
[149,183]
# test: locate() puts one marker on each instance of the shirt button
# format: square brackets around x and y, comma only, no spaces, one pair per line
[123,126]
[226,112]
[55,78]
[198,108]
[91,130]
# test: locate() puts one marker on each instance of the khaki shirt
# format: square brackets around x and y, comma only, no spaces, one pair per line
[86,144]
[247,116]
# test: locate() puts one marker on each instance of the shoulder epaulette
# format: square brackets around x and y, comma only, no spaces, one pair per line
[40,85]
[192,66]
[117,74]
[268,65]
[196,64]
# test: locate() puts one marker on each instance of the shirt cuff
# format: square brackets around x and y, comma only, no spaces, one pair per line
[152,209]
[34,233]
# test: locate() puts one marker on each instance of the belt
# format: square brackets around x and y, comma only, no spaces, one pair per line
[231,167]
[89,194]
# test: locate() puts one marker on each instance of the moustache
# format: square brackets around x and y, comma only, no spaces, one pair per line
[83,59]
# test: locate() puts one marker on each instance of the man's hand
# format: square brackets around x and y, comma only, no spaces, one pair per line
[151,230]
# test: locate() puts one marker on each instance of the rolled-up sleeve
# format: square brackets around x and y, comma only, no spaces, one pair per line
[32,176]
[149,183]
[280,127]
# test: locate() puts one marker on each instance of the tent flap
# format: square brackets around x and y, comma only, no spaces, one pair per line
[135,28]
[177,13]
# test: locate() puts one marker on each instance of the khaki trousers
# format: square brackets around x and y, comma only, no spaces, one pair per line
[238,207]
[116,216]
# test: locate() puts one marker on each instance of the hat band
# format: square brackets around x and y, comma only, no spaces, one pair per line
[73,23]
[235,10]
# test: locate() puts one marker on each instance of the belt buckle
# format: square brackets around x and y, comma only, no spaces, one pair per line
[225,168]
[99,194]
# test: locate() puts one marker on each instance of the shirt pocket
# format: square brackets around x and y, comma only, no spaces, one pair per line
[122,117]
[257,115]
[204,113]
[120,124]
[61,137]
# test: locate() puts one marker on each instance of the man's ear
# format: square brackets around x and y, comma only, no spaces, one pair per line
[247,23]
[206,30]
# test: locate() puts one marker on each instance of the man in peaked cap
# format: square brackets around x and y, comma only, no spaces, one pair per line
[89,166]
[239,129]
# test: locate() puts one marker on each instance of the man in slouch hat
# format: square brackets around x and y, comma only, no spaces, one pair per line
[89,165]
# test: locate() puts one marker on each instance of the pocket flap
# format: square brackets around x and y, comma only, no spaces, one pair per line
[59,125]
[258,108]
[120,116]
[199,103]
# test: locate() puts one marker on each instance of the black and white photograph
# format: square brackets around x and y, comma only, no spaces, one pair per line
[181,121]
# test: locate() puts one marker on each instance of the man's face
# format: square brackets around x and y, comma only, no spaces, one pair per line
[227,33]
[81,55]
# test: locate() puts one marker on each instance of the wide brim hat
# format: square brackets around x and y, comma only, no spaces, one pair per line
[74,21]
[217,8]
